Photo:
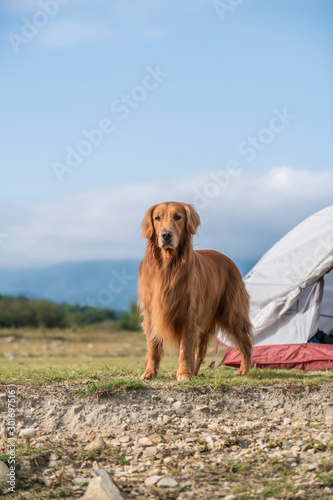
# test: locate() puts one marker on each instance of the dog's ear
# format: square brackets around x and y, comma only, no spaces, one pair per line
[147,226]
[192,220]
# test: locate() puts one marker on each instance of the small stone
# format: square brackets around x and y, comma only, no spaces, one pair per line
[28,433]
[101,487]
[329,422]
[324,436]
[167,482]
[299,442]
[178,405]
[81,480]
[286,421]
[166,419]
[150,451]
[203,408]
[9,355]
[230,497]
[312,467]
[76,408]
[3,474]
[96,444]
[210,442]
[144,441]
[124,439]
[151,480]
[10,339]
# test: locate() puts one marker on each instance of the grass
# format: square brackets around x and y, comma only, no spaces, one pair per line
[106,360]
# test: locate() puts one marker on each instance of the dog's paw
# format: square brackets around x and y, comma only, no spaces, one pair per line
[148,375]
[240,372]
[184,377]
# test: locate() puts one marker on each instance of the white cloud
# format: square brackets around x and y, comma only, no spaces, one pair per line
[246,217]
[67,32]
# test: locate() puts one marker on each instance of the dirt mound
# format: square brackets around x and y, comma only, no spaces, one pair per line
[244,442]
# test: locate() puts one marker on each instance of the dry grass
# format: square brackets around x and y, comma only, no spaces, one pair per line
[106,359]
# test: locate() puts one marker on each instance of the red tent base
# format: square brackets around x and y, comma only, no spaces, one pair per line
[294,356]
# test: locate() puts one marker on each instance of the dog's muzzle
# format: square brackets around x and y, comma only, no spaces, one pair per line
[166,237]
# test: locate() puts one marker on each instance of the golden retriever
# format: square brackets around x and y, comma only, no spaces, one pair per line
[186,295]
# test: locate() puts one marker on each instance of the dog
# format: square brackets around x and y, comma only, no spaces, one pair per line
[186,295]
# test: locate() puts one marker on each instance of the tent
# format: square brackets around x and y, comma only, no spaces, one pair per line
[291,299]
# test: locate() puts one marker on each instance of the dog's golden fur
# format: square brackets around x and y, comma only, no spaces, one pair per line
[186,295]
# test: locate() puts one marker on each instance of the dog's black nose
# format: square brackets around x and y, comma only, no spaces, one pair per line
[166,235]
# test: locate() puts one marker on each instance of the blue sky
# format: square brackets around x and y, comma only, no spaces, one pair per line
[225,77]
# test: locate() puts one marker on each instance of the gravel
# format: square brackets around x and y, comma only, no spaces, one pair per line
[175,444]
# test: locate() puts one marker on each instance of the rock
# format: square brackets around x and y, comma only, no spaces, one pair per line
[286,421]
[115,442]
[167,482]
[28,433]
[230,497]
[124,439]
[3,474]
[3,432]
[151,480]
[177,406]
[149,452]
[81,480]
[203,408]
[96,444]
[10,339]
[9,355]
[166,419]
[210,442]
[312,467]
[324,436]
[144,441]
[299,442]
[76,408]
[101,487]
[329,422]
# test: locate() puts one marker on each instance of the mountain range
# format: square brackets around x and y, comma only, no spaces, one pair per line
[109,283]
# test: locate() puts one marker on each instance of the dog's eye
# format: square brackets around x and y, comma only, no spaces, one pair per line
[158,218]
[176,217]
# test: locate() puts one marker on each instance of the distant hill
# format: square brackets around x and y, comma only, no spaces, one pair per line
[111,283]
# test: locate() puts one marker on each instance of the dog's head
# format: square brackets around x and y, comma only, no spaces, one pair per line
[169,222]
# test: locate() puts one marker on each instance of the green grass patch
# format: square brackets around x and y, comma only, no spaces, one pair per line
[103,359]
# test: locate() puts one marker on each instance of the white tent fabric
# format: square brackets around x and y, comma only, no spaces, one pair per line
[289,275]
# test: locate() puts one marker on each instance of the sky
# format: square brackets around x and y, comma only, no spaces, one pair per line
[111,106]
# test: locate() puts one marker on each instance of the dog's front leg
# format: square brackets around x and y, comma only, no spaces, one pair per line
[154,353]
[153,359]
[186,360]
